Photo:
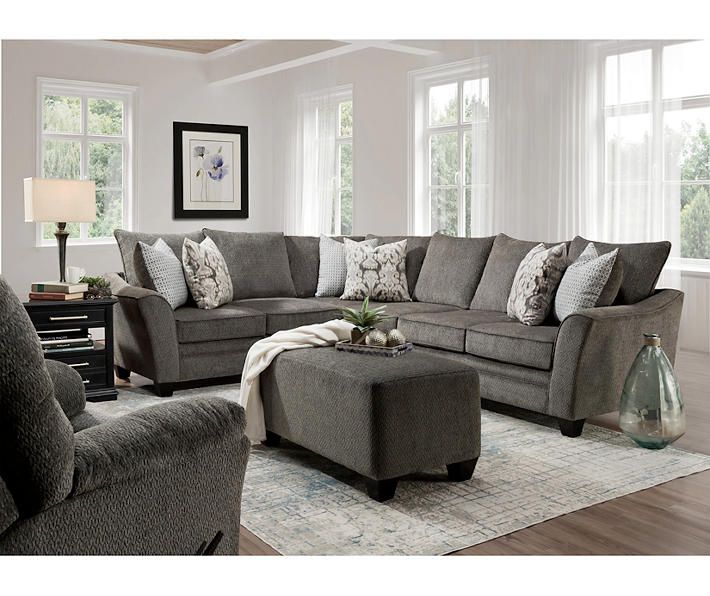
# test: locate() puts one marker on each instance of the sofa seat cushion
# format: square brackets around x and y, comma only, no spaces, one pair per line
[287,313]
[445,330]
[230,321]
[513,343]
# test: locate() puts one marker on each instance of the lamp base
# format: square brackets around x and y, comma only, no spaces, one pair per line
[61,235]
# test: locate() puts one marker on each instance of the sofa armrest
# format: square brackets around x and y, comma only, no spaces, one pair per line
[157,441]
[68,387]
[596,347]
[145,336]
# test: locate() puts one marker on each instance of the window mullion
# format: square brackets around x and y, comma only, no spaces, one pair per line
[84,161]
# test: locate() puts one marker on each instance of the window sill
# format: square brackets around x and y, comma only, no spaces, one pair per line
[106,242]
[692,267]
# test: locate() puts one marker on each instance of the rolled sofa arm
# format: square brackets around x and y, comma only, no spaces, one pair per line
[596,347]
[145,336]
[68,387]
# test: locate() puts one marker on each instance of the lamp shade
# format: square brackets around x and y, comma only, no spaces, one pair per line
[53,200]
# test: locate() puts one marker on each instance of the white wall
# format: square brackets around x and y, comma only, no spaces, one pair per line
[170,89]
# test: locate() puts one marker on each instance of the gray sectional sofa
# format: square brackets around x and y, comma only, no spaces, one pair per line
[460,286]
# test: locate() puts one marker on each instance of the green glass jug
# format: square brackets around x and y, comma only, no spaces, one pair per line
[651,410]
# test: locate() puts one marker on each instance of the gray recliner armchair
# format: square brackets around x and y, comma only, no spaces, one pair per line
[163,480]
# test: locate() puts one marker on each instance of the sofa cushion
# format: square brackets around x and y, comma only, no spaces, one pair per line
[452,269]
[642,264]
[376,272]
[416,251]
[287,313]
[257,263]
[230,321]
[497,279]
[206,274]
[513,342]
[303,260]
[136,273]
[164,269]
[444,330]
[332,265]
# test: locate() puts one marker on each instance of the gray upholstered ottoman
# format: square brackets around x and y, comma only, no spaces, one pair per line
[381,417]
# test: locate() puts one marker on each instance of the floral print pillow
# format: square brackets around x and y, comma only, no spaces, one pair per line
[206,273]
[378,272]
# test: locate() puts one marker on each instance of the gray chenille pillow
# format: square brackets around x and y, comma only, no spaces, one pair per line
[165,271]
[333,270]
[377,272]
[584,281]
[536,280]
[206,273]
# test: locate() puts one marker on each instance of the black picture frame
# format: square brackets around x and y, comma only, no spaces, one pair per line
[179,212]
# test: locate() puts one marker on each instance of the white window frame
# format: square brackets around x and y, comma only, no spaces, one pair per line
[420,131]
[656,107]
[340,140]
[85,91]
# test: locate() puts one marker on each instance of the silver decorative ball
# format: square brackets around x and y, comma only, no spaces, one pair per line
[395,338]
[376,338]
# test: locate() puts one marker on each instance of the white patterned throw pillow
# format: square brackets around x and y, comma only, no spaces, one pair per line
[206,273]
[333,269]
[538,275]
[583,282]
[377,272]
[165,272]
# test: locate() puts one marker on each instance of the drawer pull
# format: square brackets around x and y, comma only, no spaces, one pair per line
[72,318]
[79,365]
[86,382]
[54,331]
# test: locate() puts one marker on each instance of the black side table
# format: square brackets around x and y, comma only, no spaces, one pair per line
[95,365]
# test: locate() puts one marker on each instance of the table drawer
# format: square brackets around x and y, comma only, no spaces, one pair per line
[81,362]
[93,378]
[67,316]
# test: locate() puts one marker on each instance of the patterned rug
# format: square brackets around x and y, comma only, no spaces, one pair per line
[302,504]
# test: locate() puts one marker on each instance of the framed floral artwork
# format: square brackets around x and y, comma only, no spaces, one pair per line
[210,171]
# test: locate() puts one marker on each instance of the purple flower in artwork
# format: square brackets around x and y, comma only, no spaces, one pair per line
[199,151]
[215,167]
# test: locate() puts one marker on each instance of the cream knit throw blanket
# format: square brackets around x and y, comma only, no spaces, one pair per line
[262,353]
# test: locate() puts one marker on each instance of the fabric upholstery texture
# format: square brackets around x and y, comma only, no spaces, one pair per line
[642,265]
[213,359]
[452,269]
[535,283]
[68,387]
[258,263]
[380,417]
[206,273]
[8,509]
[416,251]
[230,321]
[303,261]
[287,313]
[583,282]
[36,438]
[333,268]
[497,279]
[513,342]
[164,269]
[444,330]
[136,274]
[377,272]
[613,284]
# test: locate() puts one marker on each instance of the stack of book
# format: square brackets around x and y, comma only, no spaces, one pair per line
[65,340]
[57,290]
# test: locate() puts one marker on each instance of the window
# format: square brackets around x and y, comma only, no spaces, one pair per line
[657,137]
[327,160]
[450,148]
[85,133]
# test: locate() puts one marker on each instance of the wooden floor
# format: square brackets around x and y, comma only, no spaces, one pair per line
[673,518]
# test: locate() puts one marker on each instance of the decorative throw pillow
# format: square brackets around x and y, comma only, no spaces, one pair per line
[206,273]
[378,272]
[583,282]
[535,282]
[165,271]
[333,269]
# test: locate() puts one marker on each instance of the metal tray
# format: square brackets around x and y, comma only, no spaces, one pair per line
[346,346]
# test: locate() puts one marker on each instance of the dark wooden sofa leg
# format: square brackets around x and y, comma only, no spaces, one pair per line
[122,373]
[571,428]
[462,470]
[381,490]
[272,439]
[163,389]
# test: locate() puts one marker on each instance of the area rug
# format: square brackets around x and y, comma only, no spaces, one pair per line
[302,504]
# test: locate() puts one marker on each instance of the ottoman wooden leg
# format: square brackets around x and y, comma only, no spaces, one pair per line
[272,439]
[462,470]
[381,490]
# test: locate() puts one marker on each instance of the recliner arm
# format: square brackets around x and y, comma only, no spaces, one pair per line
[68,387]
[596,347]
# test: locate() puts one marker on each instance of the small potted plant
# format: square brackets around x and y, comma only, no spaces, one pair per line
[365,320]
[99,287]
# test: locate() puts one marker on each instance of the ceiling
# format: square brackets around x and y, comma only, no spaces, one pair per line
[196,46]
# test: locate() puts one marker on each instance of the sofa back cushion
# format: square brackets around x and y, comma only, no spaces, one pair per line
[257,263]
[416,251]
[452,270]
[36,438]
[8,509]
[133,265]
[641,263]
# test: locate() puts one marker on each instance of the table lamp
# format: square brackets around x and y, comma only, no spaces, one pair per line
[50,200]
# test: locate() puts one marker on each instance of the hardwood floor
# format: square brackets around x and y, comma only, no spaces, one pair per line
[673,518]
